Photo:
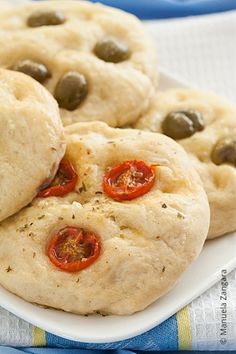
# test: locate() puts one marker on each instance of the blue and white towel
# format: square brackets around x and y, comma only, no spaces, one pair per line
[154,9]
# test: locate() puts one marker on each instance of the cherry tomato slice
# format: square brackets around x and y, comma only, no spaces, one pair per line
[129,180]
[73,249]
[63,183]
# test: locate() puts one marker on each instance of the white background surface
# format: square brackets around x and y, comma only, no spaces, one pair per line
[201,50]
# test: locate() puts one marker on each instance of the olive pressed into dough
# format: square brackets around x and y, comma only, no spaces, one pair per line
[37,71]
[182,124]
[111,50]
[224,152]
[71,90]
[45,18]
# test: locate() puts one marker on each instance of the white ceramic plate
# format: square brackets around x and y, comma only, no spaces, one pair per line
[217,255]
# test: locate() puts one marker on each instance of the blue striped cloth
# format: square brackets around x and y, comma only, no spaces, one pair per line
[162,337]
[173,334]
[154,9]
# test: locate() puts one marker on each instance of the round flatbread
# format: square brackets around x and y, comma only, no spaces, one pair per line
[31,142]
[97,61]
[211,144]
[146,243]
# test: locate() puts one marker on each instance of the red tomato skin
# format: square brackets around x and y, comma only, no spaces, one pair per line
[129,195]
[76,265]
[61,190]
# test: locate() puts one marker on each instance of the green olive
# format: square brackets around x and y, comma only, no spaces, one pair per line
[45,18]
[177,126]
[182,124]
[224,152]
[111,50]
[71,90]
[37,71]
[196,118]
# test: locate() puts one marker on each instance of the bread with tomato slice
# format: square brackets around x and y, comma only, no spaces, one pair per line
[31,141]
[135,219]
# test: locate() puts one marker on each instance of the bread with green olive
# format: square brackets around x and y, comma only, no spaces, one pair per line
[205,125]
[98,62]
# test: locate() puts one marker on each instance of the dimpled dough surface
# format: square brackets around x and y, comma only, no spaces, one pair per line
[117,92]
[220,122]
[31,140]
[147,243]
